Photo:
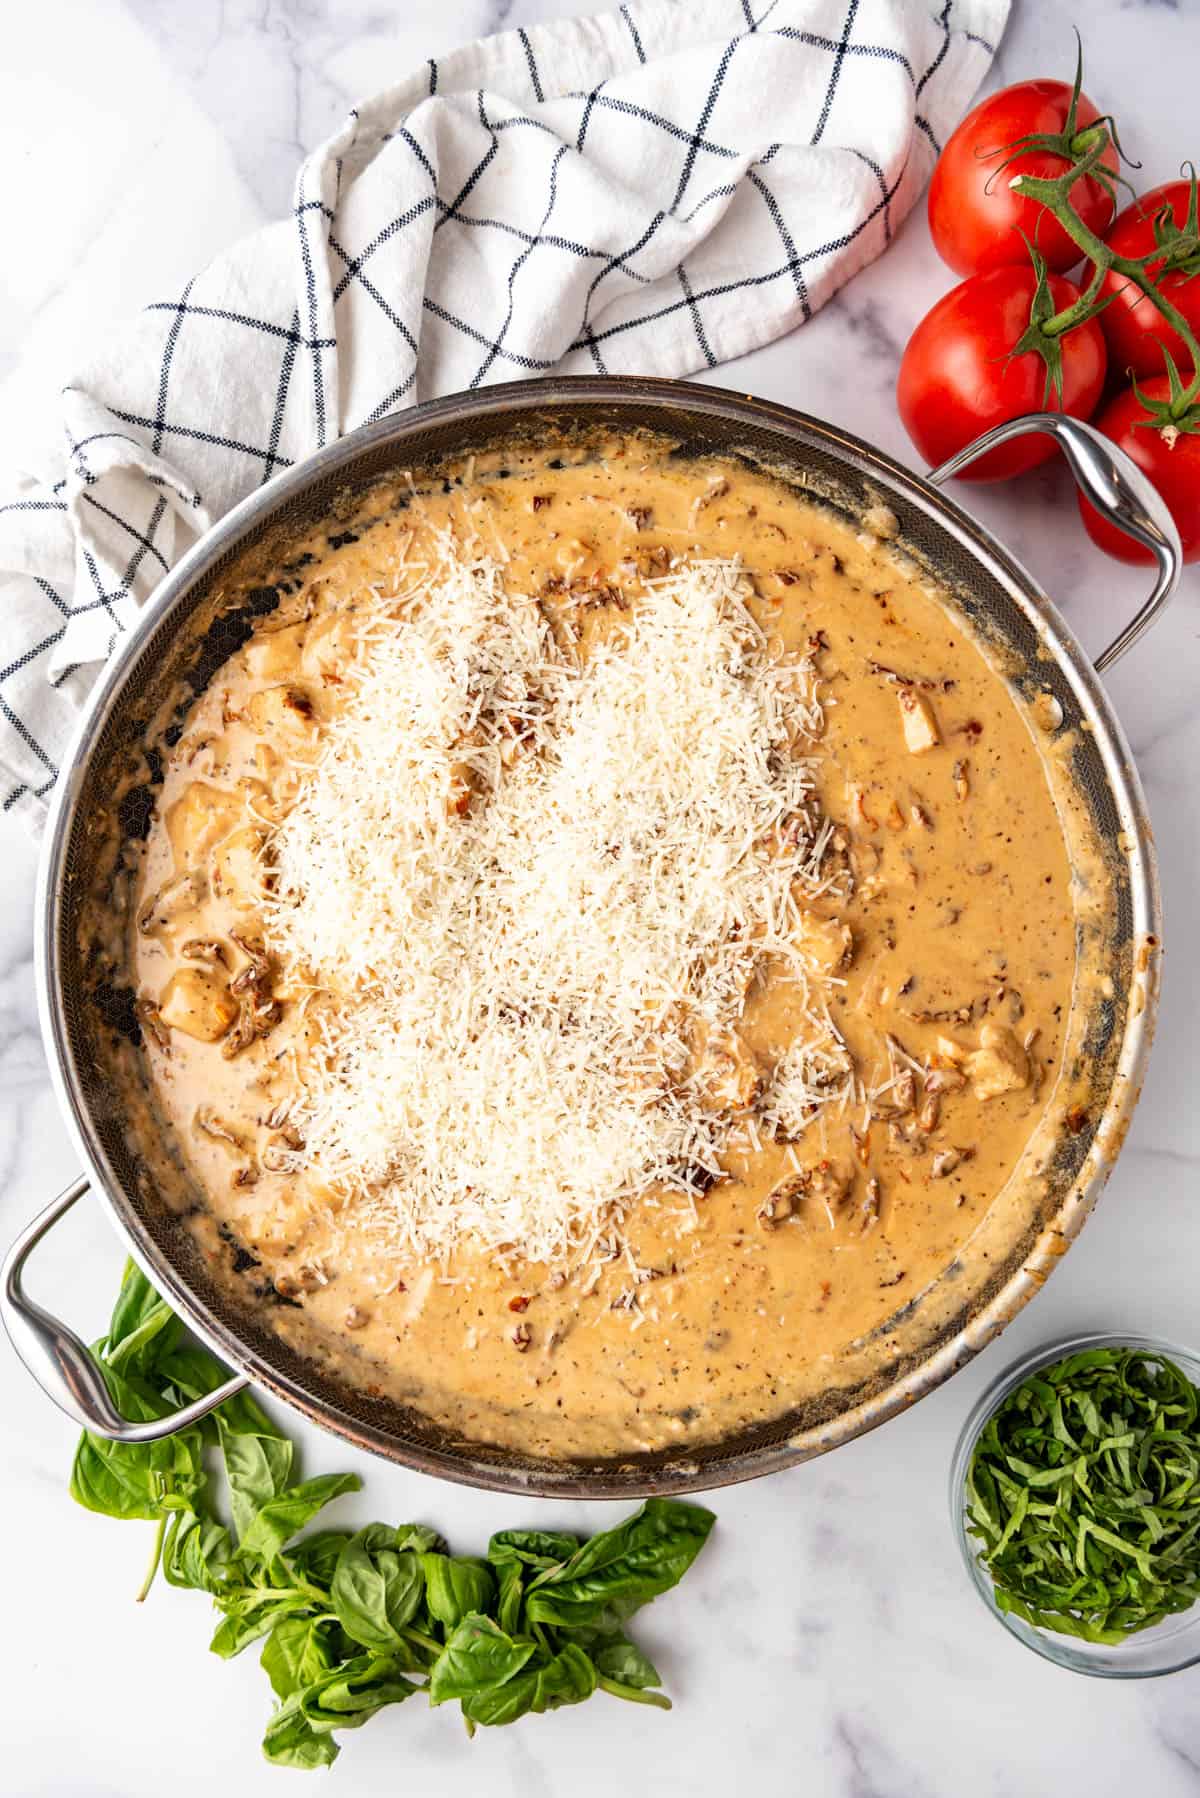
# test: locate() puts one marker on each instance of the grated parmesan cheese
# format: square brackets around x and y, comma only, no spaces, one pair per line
[520,885]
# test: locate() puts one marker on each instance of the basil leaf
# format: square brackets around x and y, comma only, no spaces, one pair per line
[510,1584]
[291,1742]
[283,1517]
[189,1371]
[115,1479]
[257,1468]
[616,1657]
[138,1320]
[515,1555]
[376,1589]
[137,1479]
[456,1585]
[297,1653]
[536,1548]
[420,1538]
[251,1616]
[196,1553]
[622,1568]
[316,1557]
[568,1678]
[139,1350]
[349,1694]
[257,1455]
[478,1654]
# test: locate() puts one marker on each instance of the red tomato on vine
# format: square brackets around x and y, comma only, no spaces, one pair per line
[960,375]
[977,220]
[1135,330]
[1166,452]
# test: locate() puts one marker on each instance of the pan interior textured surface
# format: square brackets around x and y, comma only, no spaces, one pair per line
[1005,608]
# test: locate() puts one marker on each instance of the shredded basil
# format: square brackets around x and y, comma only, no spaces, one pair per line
[1084,1493]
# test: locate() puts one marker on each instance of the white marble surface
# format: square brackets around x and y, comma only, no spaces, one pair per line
[828,1642]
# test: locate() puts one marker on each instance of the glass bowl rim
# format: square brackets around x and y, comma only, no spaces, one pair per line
[1068,1652]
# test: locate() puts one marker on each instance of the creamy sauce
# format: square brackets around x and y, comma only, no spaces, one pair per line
[951,934]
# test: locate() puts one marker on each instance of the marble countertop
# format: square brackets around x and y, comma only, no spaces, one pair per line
[828,1643]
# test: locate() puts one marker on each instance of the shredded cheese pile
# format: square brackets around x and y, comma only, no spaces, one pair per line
[521,884]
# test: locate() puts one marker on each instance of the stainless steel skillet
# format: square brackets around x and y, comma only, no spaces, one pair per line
[928,1340]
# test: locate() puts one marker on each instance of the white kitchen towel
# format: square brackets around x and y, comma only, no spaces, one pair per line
[652,190]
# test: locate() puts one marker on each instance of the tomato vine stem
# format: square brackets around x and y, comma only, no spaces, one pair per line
[1054,194]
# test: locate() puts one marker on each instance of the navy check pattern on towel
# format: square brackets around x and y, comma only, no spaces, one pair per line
[652,190]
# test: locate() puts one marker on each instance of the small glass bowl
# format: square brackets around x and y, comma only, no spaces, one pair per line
[1165,1648]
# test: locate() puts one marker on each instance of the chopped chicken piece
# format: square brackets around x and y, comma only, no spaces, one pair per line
[328,648]
[783,1201]
[825,943]
[200,817]
[929,1113]
[944,1080]
[197,1004]
[918,721]
[1000,1065]
[898,1100]
[823,1182]
[171,904]
[322,1194]
[577,558]
[827,1183]
[271,655]
[264,1227]
[464,781]
[237,869]
[284,713]
[727,1073]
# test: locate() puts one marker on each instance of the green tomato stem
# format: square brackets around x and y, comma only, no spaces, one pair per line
[1086,140]
[1054,195]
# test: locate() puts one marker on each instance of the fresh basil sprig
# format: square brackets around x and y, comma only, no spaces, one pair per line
[1084,1493]
[353,1622]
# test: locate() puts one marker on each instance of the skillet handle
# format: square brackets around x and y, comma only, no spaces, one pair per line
[1117,488]
[61,1364]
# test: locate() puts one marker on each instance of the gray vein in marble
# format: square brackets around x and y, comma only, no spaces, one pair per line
[279,76]
[812,1640]
[732,1602]
[860,1751]
[1189,1759]
[1140,1151]
[872,332]
[529,1776]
